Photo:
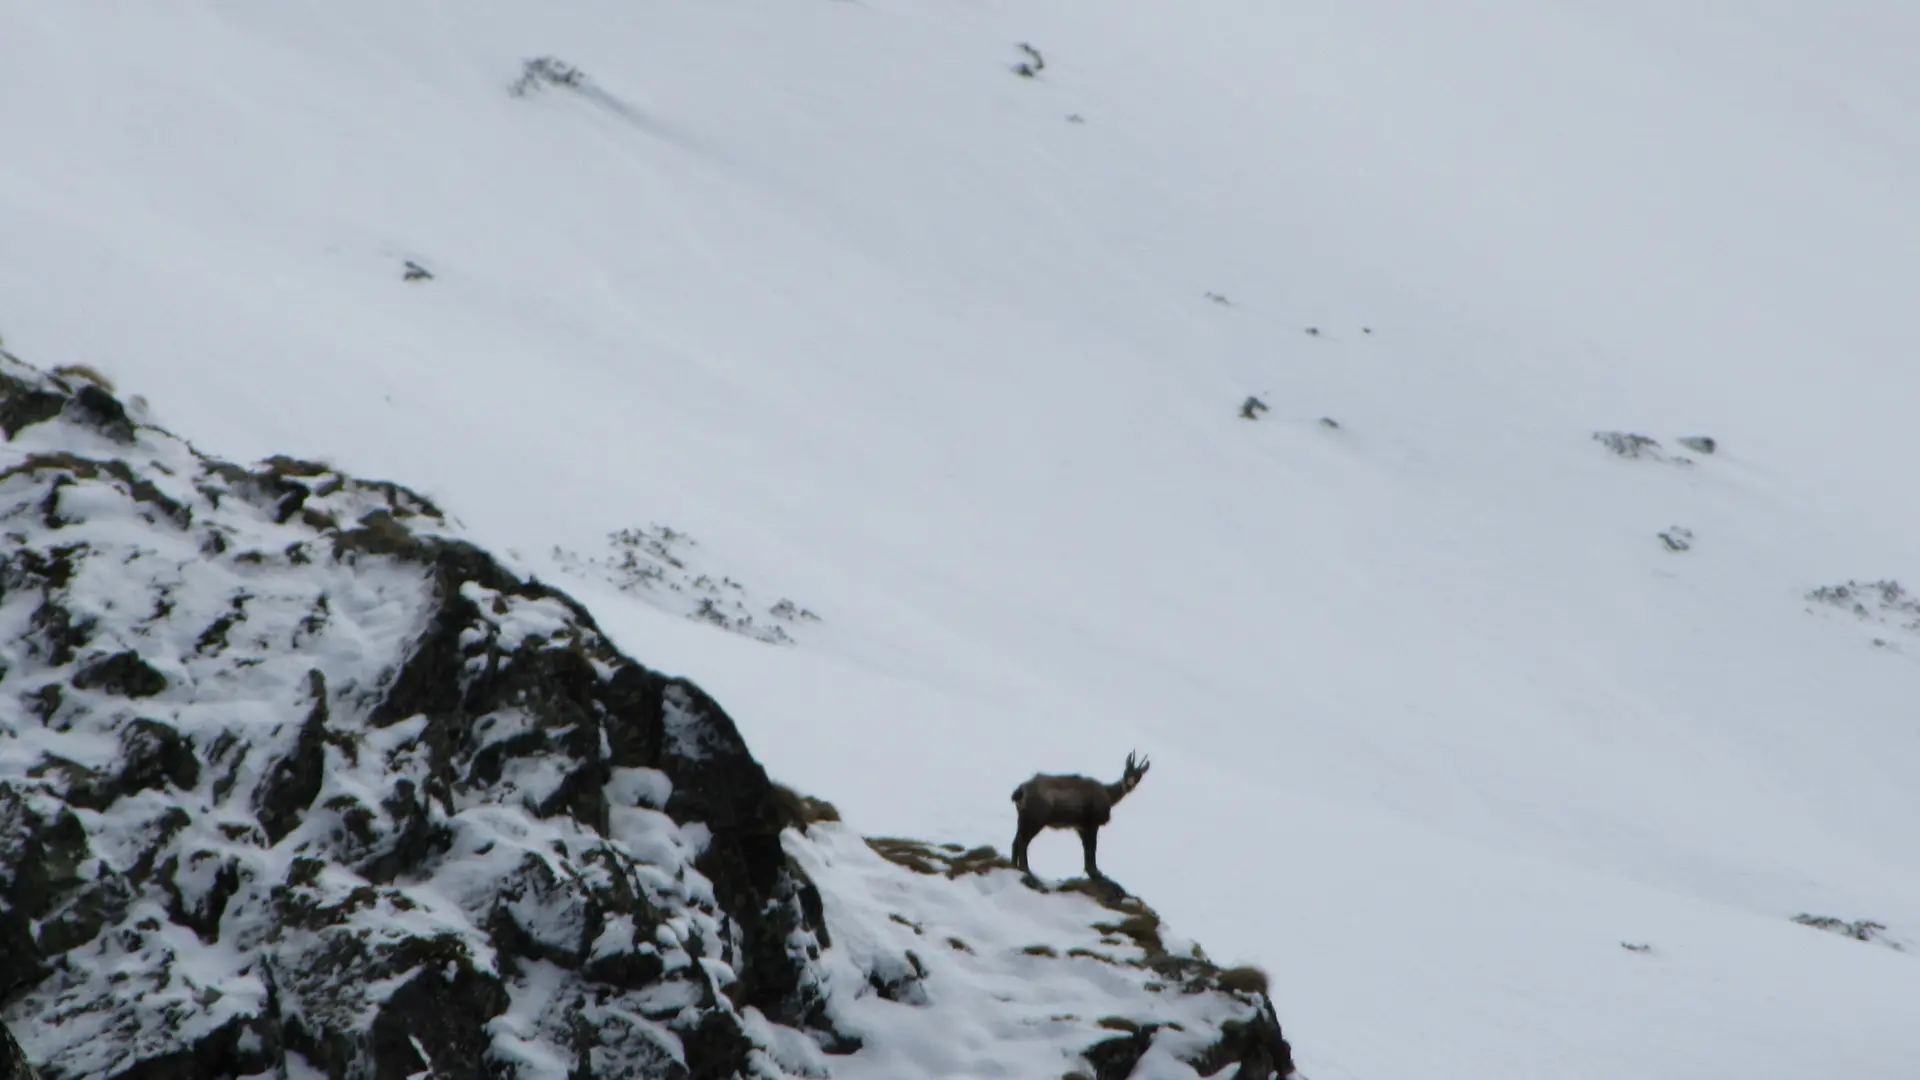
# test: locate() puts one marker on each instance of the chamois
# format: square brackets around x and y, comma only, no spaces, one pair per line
[1070,802]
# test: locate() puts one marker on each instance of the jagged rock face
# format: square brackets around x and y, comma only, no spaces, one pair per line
[296,782]
[287,768]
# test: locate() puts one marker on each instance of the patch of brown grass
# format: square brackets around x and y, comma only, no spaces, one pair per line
[1143,928]
[798,811]
[949,860]
[283,466]
[911,854]
[87,372]
[1243,980]
[979,860]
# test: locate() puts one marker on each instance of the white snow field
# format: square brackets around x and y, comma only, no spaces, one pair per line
[1438,722]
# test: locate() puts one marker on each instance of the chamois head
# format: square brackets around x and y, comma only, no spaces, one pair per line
[1071,802]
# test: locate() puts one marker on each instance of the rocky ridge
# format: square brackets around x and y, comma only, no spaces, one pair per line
[295,781]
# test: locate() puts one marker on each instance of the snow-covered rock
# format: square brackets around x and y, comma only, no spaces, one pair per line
[295,781]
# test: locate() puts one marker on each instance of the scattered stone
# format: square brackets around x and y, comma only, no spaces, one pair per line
[1626,444]
[658,564]
[1632,446]
[1677,539]
[1859,929]
[1033,65]
[1885,603]
[1218,299]
[1329,422]
[1251,408]
[792,612]
[1639,948]
[547,71]
[415,272]
[1701,444]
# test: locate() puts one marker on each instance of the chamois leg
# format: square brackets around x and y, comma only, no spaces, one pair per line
[1089,839]
[1021,839]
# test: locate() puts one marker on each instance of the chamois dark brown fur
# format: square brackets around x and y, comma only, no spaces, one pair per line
[1070,802]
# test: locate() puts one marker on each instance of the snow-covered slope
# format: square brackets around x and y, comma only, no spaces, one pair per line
[927,348]
[296,782]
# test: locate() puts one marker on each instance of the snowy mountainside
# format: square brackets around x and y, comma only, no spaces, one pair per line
[295,781]
[954,358]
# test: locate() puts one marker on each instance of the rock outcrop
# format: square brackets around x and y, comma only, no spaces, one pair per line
[294,777]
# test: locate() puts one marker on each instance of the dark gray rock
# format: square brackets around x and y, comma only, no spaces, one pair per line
[293,782]
[1257,1044]
[25,402]
[13,1061]
[122,673]
[97,408]
[156,756]
[41,854]
[1114,1059]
